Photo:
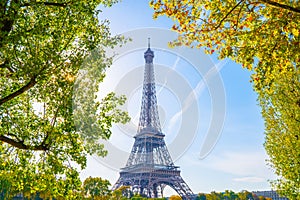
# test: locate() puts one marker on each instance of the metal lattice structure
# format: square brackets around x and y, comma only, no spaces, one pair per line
[150,167]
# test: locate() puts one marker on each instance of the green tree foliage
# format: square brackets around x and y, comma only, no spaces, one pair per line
[264,36]
[201,196]
[120,193]
[230,195]
[96,188]
[245,195]
[43,140]
[138,197]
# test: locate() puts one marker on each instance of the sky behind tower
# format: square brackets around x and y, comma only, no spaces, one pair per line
[237,160]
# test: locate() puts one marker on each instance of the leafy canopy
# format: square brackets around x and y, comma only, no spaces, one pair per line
[52,58]
[264,36]
[96,187]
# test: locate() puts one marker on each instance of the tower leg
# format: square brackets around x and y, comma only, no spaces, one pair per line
[155,190]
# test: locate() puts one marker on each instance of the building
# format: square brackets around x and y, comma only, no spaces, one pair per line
[270,194]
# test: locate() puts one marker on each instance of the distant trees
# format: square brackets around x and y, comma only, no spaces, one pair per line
[230,195]
[95,185]
[175,197]
[98,189]
[201,196]
[95,188]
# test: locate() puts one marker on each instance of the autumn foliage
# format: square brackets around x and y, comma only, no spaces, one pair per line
[264,37]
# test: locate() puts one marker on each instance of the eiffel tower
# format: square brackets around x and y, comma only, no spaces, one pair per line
[150,167]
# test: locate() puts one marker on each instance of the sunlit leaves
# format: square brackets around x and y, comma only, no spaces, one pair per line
[265,38]
[43,45]
[95,187]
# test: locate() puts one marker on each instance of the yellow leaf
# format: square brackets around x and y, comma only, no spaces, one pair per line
[295,32]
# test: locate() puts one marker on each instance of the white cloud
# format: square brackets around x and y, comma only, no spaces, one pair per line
[166,77]
[250,179]
[233,170]
[197,91]
[241,163]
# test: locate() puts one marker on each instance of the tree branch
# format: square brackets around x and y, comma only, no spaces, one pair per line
[23,89]
[232,9]
[46,4]
[5,65]
[238,16]
[21,145]
[276,4]
[52,124]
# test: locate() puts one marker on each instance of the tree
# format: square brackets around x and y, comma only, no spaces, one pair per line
[138,197]
[264,36]
[175,197]
[230,195]
[201,196]
[121,193]
[95,188]
[245,195]
[45,136]
[214,196]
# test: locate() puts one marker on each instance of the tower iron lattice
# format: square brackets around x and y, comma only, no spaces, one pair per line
[150,167]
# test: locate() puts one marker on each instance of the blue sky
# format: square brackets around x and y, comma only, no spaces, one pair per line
[237,160]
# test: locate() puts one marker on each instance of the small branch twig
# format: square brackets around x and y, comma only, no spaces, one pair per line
[46,4]
[232,9]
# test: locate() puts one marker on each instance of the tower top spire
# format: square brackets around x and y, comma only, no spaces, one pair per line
[149,54]
[148,43]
